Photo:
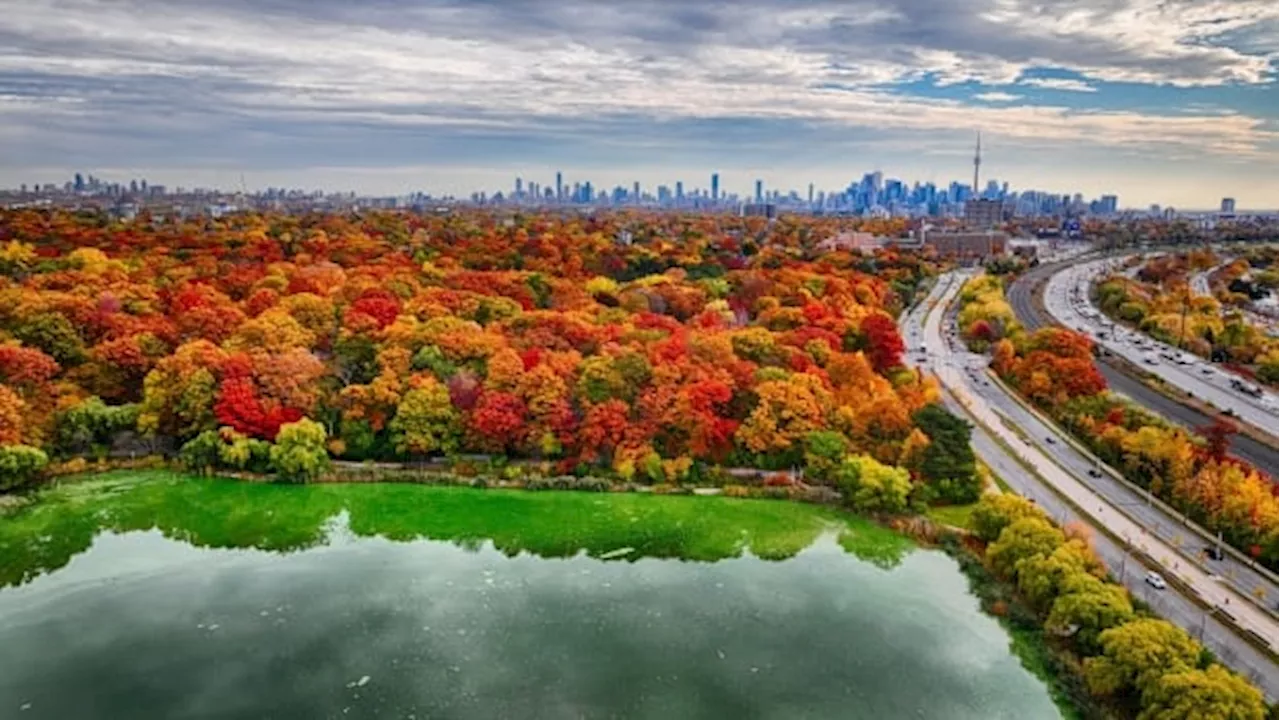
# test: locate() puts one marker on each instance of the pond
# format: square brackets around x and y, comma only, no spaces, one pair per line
[158,596]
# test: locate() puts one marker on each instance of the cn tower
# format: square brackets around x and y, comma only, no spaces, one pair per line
[977,160]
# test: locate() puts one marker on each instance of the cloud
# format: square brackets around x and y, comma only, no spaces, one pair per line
[996,96]
[1068,84]
[329,81]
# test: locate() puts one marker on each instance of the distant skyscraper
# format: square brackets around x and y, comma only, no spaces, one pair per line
[810,193]
[519,187]
[1109,204]
[559,186]
[1228,205]
[759,191]
[679,190]
[635,191]
[715,187]
[79,182]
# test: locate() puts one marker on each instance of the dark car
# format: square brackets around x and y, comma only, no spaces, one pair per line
[1214,552]
[1095,473]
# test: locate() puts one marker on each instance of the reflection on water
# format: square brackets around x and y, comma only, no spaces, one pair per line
[227,514]
[204,599]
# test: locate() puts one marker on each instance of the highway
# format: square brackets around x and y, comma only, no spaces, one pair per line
[1031,316]
[1200,281]
[1011,452]
[1066,298]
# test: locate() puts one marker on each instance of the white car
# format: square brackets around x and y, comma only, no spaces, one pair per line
[1156,580]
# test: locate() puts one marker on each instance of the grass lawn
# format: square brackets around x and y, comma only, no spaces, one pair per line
[953,515]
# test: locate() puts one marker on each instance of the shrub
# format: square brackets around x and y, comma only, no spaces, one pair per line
[19,464]
[870,486]
[299,454]
[202,453]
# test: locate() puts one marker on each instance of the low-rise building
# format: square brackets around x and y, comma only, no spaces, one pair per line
[859,242]
[967,245]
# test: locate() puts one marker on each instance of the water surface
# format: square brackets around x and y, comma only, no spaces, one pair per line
[163,597]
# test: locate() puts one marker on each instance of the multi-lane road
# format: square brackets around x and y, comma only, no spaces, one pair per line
[1056,476]
[1021,298]
[1066,298]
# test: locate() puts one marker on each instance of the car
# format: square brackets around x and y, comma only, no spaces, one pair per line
[1156,580]
[1206,370]
[1049,439]
[1214,552]
[1150,360]
[1095,473]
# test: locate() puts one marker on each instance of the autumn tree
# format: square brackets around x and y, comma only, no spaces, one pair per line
[1086,606]
[785,412]
[1021,540]
[997,511]
[884,342]
[426,420]
[1214,693]
[497,423]
[1137,654]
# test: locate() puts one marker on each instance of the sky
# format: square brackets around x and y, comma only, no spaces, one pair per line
[1157,101]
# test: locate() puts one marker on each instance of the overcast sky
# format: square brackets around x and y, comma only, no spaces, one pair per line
[1159,101]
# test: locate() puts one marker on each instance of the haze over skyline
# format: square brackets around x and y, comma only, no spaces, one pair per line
[1157,102]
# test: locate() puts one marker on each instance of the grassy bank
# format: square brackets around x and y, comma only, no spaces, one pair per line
[62,520]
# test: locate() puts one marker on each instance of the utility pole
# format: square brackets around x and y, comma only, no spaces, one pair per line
[1182,331]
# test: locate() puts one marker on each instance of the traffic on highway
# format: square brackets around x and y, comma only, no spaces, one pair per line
[1144,540]
[1066,297]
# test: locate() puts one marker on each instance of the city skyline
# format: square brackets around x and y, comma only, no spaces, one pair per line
[871,193]
[392,97]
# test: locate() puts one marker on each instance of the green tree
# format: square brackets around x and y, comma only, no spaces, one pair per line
[1137,654]
[93,422]
[359,440]
[1040,577]
[996,512]
[1212,694]
[948,463]
[823,451]
[241,452]
[599,380]
[1021,540]
[19,464]
[426,420]
[55,335]
[431,358]
[299,453]
[356,359]
[1086,607]
[201,454]
[870,486]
